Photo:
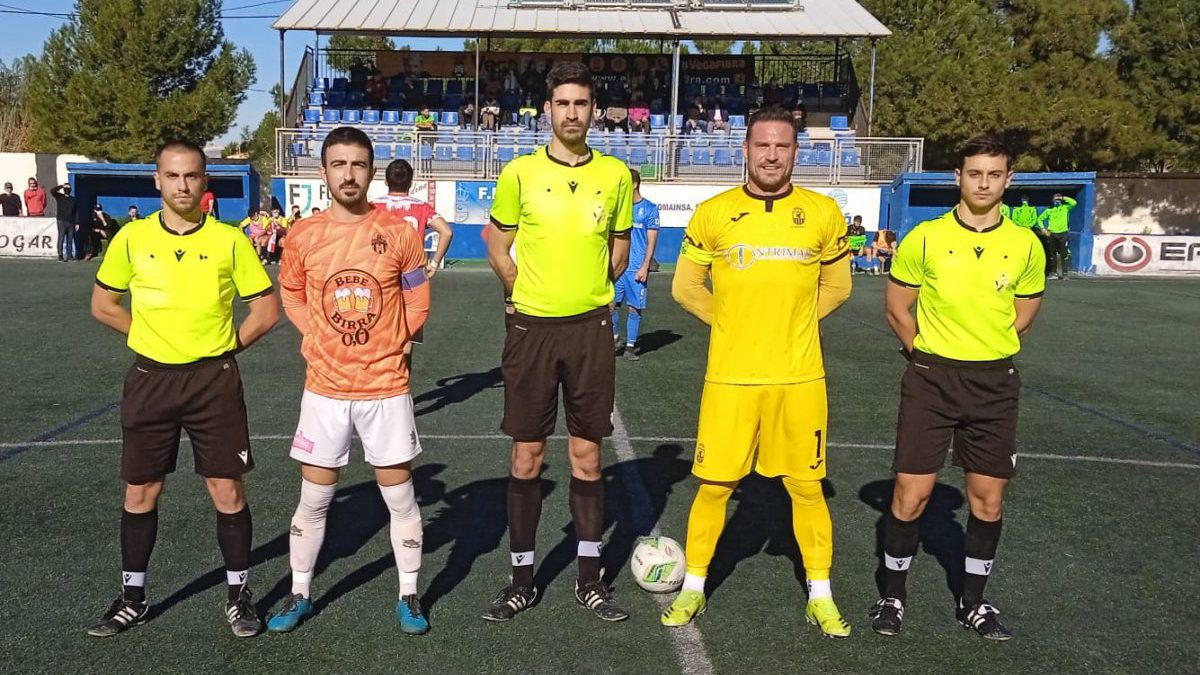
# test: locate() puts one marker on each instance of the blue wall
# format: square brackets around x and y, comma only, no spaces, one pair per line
[915,197]
[116,186]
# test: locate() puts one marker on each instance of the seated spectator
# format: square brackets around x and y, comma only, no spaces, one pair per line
[861,259]
[103,229]
[490,114]
[10,203]
[696,117]
[756,103]
[800,114]
[773,93]
[543,124]
[133,213]
[884,249]
[425,120]
[295,216]
[375,92]
[639,113]
[466,113]
[277,228]
[527,114]
[718,117]
[255,226]
[617,117]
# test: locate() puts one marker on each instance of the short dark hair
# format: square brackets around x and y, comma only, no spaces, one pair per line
[348,136]
[986,144]
[636,176]
[771,113]
[569,72]
[177,144]
[399,176]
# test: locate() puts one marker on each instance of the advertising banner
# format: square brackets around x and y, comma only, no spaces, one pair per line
[1129,254]
[28,237]
[311,192]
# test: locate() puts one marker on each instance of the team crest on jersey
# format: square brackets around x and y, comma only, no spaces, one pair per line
[1002,283]
[798,217]
[379,244]
[352,300]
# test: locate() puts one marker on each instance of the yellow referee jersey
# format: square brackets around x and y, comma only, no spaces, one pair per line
[182,286]
[765,256]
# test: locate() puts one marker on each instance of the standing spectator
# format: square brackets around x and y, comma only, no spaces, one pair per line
[10,203]
[1057,222]
[718,117]
[490,114]
[66,217]
[376,92]
[639,113]
[208,203]
[276,232]
[133,213]
[696,117]
[617,117]
[511,81]
[466,113]
[295,216]
[103,229]
[598,114]
[528,114]
[800,114]
[35,199]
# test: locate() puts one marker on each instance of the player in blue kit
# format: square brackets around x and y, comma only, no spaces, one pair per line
[631,287]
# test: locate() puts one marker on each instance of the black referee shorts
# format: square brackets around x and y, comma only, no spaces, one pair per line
[543,353]
[968,406]
[203,398]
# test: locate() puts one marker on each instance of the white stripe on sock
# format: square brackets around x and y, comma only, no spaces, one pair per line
[237,578]
[521,558]
[897,564]
[588,549]
[979,567]
[408,583]
[133,579]
[819,589]
[692,582]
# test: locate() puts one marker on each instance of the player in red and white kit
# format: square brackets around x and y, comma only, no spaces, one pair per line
[421,215]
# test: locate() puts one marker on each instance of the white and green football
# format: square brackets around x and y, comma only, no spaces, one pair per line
[658,564]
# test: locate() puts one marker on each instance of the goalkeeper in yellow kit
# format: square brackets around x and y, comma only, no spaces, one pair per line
[779,261]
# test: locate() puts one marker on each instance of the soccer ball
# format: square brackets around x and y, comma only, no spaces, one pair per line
[658,564]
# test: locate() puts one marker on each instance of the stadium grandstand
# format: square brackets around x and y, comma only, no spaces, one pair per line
[676,117]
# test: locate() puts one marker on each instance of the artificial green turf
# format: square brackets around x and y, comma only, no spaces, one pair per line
[1094,570]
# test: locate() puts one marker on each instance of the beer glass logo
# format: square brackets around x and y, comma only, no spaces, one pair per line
[351,301]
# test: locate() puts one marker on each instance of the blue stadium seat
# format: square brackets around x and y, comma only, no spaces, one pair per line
[404,151]
[620,152]
[312,115]
[722,157]
[299,149]
[824,155]
[525,150]
[504,154]
[443,153]
[639,155]
[452,101]
[739,157]
[434,87]
[370,116]
[465,153]
[383,151]
[737,121]
[340,83]
[320,83]
[450,118]
[351,116]
[425,152]
[658,121]
[330,116]
[850,157]
[839,123]
[830,90]
[684,156]
[811,91]
[791,92]
[316,98]
[391,117]
[355,98]
[806,157]
[335,98]
[510,101]
[454,87]
[408,117]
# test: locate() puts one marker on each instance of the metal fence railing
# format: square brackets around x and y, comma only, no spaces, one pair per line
[465,154]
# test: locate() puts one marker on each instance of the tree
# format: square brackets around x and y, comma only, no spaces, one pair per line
[14,120]
[349,44]
[125,75]
[1158,54]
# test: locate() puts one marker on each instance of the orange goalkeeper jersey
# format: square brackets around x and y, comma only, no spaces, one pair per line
[357,291]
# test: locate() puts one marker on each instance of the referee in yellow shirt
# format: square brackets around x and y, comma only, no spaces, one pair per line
[182,270]
[779,260]
[976,279]
[569,210]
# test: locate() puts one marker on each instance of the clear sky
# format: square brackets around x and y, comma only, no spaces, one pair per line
[22,34]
